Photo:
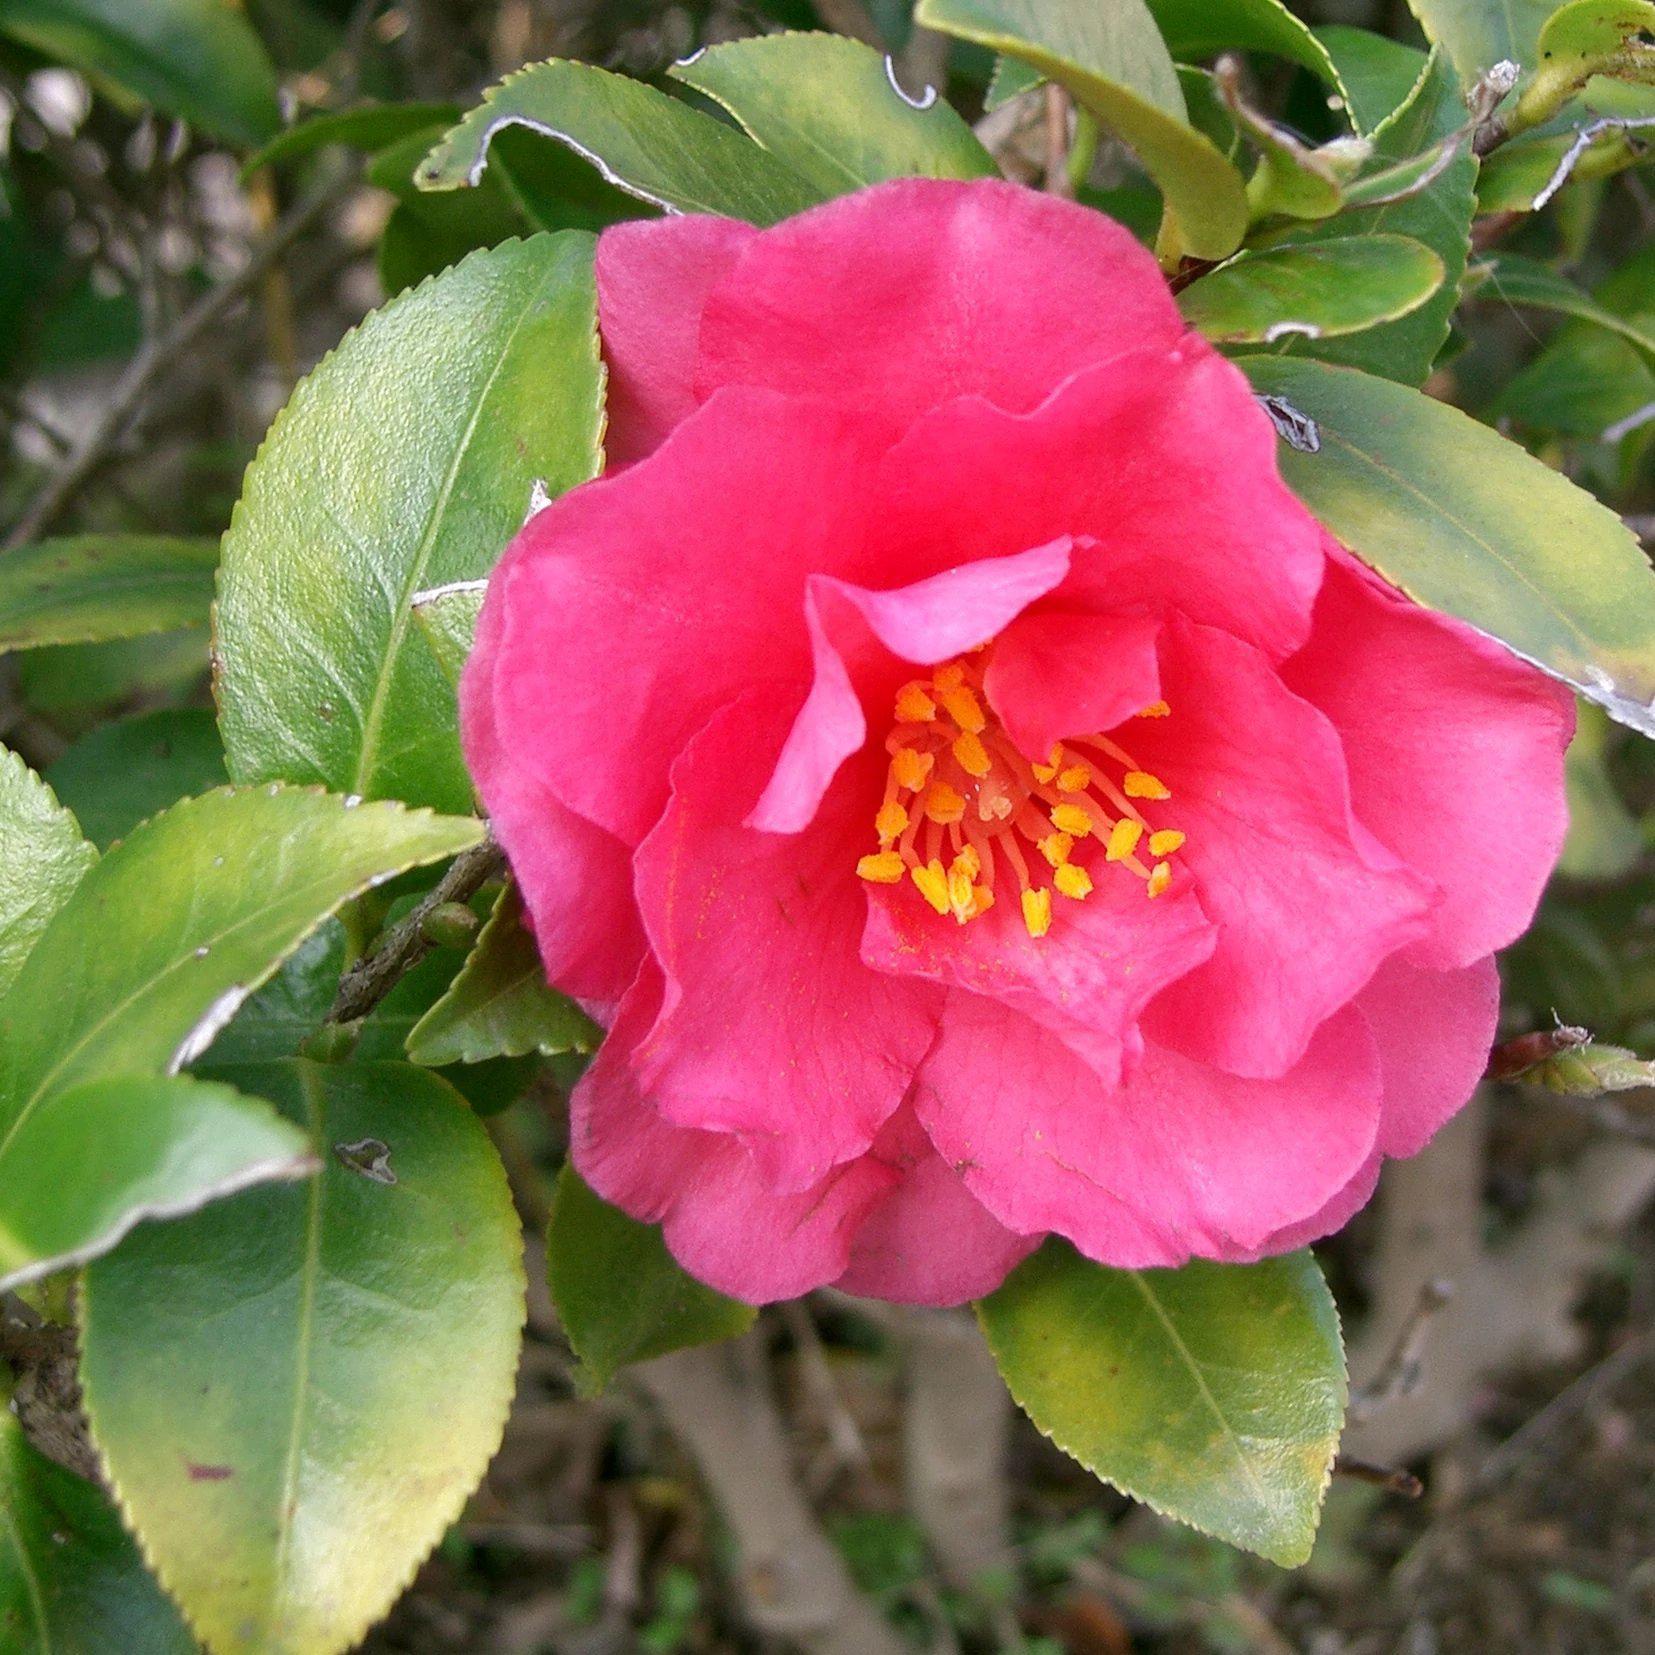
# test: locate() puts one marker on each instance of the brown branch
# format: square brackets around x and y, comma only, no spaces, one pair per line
[1393,1479]
[408,942]
[1399,1374]
[155,360]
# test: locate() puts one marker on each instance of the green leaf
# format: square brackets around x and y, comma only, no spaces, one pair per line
[642,141]
[205,902]
[42,859]
[1114,62]
[1470,523]
[1588,37]
[1585,383]
[91,588]
[447,617]
[1214,1393]
[404,461]
[294,1391]
[1508,278]
[94,1160]
[1605,840]
[369,126]
[1199,28]
[198,59]
[71,1580]
[831,108]
[500,1004]
[1377,75]
[1329,288]
[131,769]
[1437,213]
[1477,34]
[619,1293]
[157,667]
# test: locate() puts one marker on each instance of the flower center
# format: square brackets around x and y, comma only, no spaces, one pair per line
[958,788]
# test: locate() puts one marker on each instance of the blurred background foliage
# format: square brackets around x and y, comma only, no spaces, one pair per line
[128,199]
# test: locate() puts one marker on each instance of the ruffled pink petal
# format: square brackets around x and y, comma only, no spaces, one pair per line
[576,879]
[1434,1030]
[653,280]
[854,635]
[1181,1160]
[1306,902]
[720,1219]
[633,608]
[1161,456]
[1455,749]
[771,1026]
[1057,674]
[1326,1221]
[928,1240]
[1087,980]
[907,295]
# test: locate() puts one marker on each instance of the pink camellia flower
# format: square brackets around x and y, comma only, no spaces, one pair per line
[978,797]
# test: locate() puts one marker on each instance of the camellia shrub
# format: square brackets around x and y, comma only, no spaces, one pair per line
[999,714]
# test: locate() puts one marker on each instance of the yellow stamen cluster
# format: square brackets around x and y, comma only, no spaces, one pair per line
[963,805]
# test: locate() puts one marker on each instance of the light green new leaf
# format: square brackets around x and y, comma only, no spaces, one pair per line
[205,901]
[198,59]
[368,127]
[91,588]
[95,1159]
[619,1293]
[831,109]
[1114,62]
[130,769]
[71,1580]
[42,859]
[500,1004]
[1214,1393]
[1604,839]
[1477,34]
[481,383]
[447,617]
[1328,288]
[294,1391]
[1199,28]
[1508,278]
[642,141]
[1470,523]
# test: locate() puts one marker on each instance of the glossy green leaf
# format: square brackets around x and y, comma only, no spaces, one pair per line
[1436,210]
[619,1293]
[447,616]
[43,857]
[1292,178]
[831,108]
[1376,74]
[1470,523]
[198,59]
[1114,62]
[500,1004]
[1477,34]
[1508,278]
[71,1580]
[642,141]
[1586,37]
[206,901]
[1328,288]
[294,1391]
[93,1160]
[89,588]
[128,770]
[1199,28]
[1585,383]
[1214,1393]
[482,383]
[369,127]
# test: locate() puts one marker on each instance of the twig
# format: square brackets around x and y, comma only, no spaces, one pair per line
[406,943]
[1057,141]
[845,1446]
[154,360]
[1392,1478]
[1515,1057]
[1584,139]
[1399,1374]
[853,18]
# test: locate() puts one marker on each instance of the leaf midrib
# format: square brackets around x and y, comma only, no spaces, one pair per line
[402,613]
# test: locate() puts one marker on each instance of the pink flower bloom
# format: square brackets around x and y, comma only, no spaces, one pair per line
[978,797]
